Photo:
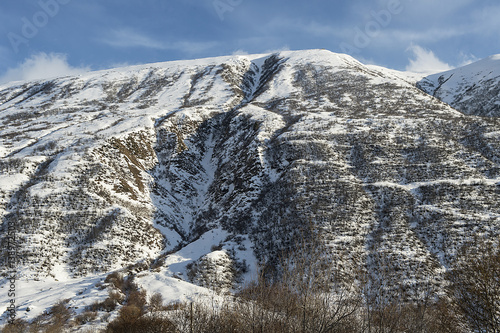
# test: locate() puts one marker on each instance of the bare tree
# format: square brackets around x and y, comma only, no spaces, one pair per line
[475,286]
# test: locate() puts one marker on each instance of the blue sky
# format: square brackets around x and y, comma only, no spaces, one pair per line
[40,38]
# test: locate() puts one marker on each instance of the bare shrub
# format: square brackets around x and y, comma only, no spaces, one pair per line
[132,320]
[108,305]
[156,302]
[138,299]
[129,285]
[116,279]
[60,315]
[129,313]
[474,286]
[116,296]
[18,326]
[143,325]
[96,306]
[85,317]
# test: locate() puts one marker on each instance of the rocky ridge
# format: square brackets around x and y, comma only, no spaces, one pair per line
[168,168]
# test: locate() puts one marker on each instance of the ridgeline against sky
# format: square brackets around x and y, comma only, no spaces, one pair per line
[42,38]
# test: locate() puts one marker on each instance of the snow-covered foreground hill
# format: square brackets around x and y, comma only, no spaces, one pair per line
[191,175]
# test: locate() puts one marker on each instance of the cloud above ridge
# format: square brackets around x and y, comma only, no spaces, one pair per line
[42,66]
[425,61]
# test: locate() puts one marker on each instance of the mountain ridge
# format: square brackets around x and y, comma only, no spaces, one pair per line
[472,89]
[136,168]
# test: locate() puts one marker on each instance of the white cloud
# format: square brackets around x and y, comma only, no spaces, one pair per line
[466,59]
[240,52]
[42,66]
[425,61]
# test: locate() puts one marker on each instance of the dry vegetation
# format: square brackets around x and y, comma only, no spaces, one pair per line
[300,296]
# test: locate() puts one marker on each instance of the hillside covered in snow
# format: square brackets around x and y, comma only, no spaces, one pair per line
[473,89]
[192,175]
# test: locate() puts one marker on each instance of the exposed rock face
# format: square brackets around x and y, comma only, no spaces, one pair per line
[124,166]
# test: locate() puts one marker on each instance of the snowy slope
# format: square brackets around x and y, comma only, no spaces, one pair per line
[198,172]
[473,89]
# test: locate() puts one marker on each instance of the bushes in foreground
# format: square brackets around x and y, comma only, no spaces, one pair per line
[300,298]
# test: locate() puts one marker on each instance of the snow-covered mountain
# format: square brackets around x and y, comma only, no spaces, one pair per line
[181,171]
[473,89]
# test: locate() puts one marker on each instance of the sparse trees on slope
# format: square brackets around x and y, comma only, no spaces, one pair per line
[475,286]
